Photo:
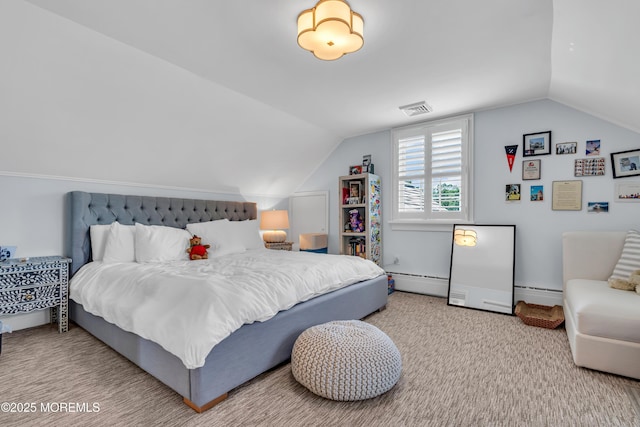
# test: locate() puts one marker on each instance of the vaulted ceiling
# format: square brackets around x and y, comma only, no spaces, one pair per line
[286,110]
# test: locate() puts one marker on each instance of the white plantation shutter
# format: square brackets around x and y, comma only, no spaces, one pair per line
[446,169]
[432,172]
[411,171]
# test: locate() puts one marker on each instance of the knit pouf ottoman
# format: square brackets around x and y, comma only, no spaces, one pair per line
[346,360]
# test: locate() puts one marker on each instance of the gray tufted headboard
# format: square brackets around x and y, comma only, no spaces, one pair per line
[86,209]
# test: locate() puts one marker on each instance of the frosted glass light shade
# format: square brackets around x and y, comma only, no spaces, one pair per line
[274,222]
[465,237]
[330,30]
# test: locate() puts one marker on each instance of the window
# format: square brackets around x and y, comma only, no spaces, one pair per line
[432,173]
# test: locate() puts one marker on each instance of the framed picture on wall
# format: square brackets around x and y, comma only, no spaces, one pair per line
[536,193]
[566,148]
[625,163]
[512,193]
[566,196]
[628,192]
[536,144]
[531,169]
[597,207]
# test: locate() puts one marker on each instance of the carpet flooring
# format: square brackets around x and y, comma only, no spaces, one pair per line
[461,367]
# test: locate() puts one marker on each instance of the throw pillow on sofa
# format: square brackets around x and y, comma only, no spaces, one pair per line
[629,261]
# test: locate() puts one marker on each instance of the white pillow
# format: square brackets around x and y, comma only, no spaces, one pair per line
[99,234]
[120,246]
[219,234]
[157,243]
[248,233]
[630,258]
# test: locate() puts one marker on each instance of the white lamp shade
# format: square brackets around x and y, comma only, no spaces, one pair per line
[274,222]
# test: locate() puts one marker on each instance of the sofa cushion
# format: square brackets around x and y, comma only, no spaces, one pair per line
[629,258]
[602,311]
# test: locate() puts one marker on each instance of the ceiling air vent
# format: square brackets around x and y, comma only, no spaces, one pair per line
[417,108]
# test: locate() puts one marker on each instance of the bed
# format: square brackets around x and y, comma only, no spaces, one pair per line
[235,359]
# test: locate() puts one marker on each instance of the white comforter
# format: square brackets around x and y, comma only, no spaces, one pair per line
[188,307]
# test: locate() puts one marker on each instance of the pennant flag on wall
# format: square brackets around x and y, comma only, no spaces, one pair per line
[511,154]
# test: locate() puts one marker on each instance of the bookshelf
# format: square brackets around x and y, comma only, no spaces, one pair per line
[360,216]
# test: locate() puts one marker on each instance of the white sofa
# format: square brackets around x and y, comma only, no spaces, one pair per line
[602,323]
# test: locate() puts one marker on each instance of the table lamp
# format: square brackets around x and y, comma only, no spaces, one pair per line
[274,222]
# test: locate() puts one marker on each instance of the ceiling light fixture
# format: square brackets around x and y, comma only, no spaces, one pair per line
[330,30]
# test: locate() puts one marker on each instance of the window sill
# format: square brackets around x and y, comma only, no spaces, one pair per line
[443,226]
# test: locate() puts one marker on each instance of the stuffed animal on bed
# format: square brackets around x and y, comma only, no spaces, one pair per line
[196,249]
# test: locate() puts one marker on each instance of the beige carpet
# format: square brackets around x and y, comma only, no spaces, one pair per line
[461,367]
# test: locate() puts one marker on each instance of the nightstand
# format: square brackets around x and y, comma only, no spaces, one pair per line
[281,246]
[35,284]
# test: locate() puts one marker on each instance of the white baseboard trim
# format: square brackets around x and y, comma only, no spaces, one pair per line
[27,320]
[434,286]
[538,296]
[439,287]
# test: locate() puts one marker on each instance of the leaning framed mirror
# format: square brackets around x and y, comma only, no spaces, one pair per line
[482,270]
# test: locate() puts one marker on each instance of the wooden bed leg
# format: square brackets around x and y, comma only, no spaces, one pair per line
[209,405]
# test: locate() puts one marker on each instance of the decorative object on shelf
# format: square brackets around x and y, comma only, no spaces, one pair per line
[625,163]
[566,148]
[536,193]
[355,221]
[330,30]
[536,144]
[274,222]
[512,193]
[464,237]
[7,252]
[542,316]
[355,193]
[567,195]
[35,284]
[598,207]
[628,191]
[510,151]
[589,167]
[355,170]
[367,166]
[531,169]
[482,276]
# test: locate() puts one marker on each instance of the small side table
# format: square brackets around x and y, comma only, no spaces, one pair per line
[35,284]
[281,246]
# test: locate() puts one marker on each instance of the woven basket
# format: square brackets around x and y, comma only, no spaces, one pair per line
[542,316]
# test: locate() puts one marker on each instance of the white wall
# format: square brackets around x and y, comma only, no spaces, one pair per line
[539,229]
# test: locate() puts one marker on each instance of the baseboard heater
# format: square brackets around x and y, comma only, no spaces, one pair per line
[421,284]
[534,295]
[439,287]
